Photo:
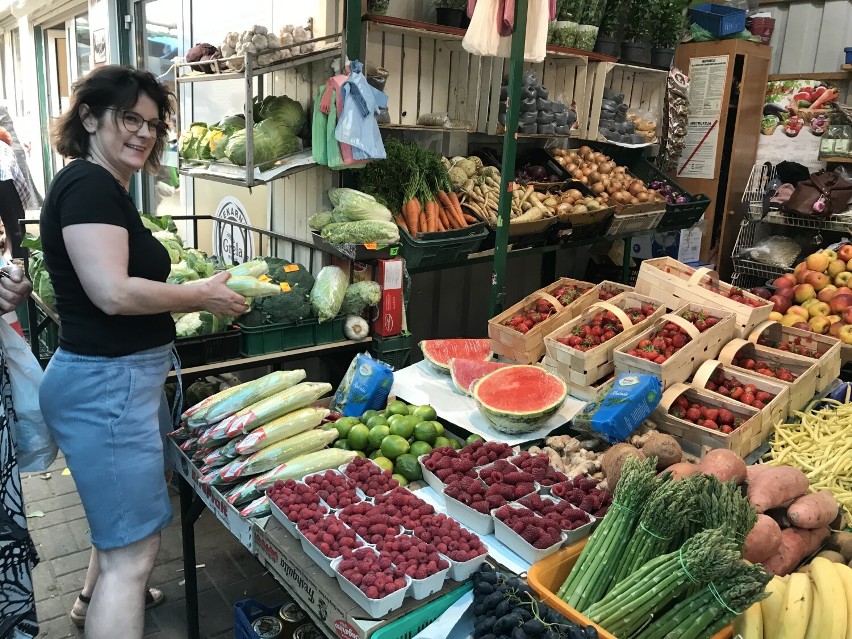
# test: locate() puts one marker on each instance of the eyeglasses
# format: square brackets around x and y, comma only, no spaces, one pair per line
[134,122]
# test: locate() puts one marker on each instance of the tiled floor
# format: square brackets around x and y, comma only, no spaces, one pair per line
[227,571]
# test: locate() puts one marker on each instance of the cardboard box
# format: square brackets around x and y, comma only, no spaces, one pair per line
[240,527]
[362,272]
[684,246]
[387,318]
[320,594]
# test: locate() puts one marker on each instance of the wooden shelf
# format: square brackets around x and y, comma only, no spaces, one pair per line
[836,158]
[822,77]
[431,129]
[453,34]
[333,51]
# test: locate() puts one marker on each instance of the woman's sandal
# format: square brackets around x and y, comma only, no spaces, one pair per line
[153,597]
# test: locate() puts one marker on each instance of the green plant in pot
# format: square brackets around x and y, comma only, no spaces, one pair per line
[637,30]
[452,13]
[668,19]
[377,7]
[611,21]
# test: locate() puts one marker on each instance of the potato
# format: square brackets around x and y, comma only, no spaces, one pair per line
[796,545]
[841,542]
[613,460]
[665,448]
[814,510]
[763,541]
[774,486]
[724,464]
[682,470]
[832,556]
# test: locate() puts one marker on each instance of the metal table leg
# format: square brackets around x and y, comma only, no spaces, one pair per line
[191,508]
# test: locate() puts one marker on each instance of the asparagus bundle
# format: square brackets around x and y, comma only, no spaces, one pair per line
[707,611]
[595,568]
[664,516]
[709,555]
[721,505]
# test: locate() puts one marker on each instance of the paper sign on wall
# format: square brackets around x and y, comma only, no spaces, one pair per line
[232,243]
[707,79]
[698,159]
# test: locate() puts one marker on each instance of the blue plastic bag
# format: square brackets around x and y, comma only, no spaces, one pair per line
[357,124]
[365,386]
[620,408]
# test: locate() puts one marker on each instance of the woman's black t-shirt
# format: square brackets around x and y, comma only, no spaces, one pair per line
[86,193]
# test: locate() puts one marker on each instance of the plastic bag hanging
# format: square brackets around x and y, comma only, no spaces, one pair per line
[357,124]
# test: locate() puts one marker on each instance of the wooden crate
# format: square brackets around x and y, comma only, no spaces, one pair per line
[526,348]
[802,389]
[675,283]
[615,287]
[773,413]
[582,368]
[680,366]
[828,363]
[698,440]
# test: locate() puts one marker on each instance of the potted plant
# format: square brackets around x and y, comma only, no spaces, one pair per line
[452,13]
[377,7]
[637,28]
[608,42]
[667,16]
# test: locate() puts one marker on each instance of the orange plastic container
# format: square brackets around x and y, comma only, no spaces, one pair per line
[547,576]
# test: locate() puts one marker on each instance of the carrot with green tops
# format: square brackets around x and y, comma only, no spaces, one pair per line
[455,219]
[454,200]
[442,214]
[424,226]
[469,219]
[432,215]
[400,222]
[411,210]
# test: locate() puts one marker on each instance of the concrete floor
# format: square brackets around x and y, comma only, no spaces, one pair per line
[227,571]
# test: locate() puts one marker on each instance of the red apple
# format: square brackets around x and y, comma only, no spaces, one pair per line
[834,329]
[834,318]
[818,262]
[787,292]
[788,280]
[820,309]
[847,315]
[843,290]
[845,252]
[835,267]
[804,292]
[819,325]
[781,304]
[762,293]
[798,310]
[827,293]
[803,326]
[818,280]
[840,303]
[802,275]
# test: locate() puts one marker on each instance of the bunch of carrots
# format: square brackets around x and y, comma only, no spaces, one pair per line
[441,213]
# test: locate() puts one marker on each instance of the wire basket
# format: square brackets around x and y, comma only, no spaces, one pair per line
[755,198]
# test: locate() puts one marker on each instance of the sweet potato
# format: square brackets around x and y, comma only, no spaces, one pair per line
[724,464]
[796,545]
[841,542]
[763,541]
[774,486]
[665,448]
[815,510]
[682,470]
[613,459]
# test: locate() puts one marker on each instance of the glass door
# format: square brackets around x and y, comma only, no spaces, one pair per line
[58,80]
[157,41]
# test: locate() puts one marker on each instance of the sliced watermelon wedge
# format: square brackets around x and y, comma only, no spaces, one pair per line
[439,352]
[467,371]
[519,399]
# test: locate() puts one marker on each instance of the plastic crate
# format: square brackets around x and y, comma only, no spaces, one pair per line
[421,617]
[395,351]
[245,614]
[635,222]
[286,336]
[718,19]
[441,248]
[207,349]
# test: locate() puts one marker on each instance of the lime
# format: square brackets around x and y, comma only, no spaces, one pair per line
[375,455]
[344,424]
[361,454]
[342,443]
[442,442]
[384,463]
[377,434]
[408,466]
[411,409]
[358,437]
[397,407]
[402,480]
[455,443]
[393,419]
[473,438]
[425,413]
[404,427]
[393,446]
[420,448]
[367,415]
[439,427]
[378,420]
[426,432]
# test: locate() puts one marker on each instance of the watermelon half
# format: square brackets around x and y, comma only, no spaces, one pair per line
[439,352]
[467,371]
[519,399]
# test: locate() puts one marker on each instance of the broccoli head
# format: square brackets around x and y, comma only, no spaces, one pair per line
[255,317]
[297,276]
[285,308]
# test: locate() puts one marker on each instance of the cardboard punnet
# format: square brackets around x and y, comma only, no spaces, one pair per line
[317,592]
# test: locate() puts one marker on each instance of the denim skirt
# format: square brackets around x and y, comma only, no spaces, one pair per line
[109,415]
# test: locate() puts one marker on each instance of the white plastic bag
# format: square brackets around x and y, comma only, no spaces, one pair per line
[481,37]
[535,42]
[34,444]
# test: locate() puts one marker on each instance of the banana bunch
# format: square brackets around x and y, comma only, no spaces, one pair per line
[812,605]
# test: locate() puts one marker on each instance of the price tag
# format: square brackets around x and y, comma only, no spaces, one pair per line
[372,246]
[285,287]
[394,251]
[291,268]
[264,278]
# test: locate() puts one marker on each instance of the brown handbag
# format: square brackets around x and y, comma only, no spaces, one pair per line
[823,195]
